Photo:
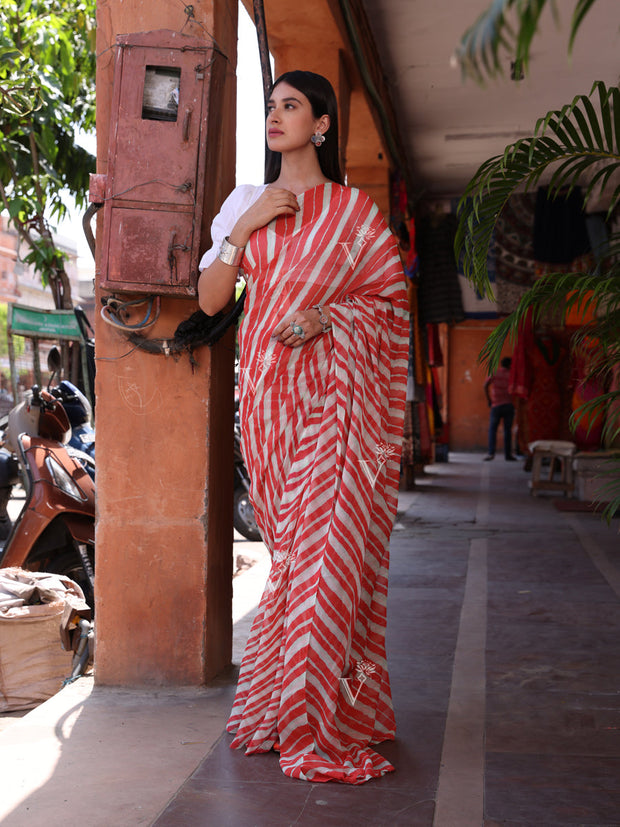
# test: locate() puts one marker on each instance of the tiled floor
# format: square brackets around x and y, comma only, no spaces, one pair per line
[504,636]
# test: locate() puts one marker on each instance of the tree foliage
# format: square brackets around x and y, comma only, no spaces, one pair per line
[578,145]
[47,93]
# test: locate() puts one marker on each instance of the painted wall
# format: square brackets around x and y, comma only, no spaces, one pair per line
[467,406]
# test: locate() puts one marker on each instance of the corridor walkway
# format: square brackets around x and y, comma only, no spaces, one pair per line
[503,639]
[503,643]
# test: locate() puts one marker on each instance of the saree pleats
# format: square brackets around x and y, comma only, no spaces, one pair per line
[322,433]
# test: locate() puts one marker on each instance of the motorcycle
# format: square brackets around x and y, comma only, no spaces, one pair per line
[55,530]
[78,409]
[243,513]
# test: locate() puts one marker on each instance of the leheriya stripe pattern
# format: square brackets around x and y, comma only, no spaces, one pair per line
[322,431]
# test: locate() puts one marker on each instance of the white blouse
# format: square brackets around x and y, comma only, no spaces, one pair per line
[239,200]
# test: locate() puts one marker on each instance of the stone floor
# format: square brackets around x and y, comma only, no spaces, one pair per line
[503,643]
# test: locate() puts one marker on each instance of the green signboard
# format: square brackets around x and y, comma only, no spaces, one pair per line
[43,324]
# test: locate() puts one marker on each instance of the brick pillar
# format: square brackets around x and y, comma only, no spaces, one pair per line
[164,433]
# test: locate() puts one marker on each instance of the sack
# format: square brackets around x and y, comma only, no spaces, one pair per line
[33,664]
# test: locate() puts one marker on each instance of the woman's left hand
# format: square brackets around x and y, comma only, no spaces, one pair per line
[298,327]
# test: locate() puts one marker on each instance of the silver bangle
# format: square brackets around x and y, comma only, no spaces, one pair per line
[323,318]
[230,254]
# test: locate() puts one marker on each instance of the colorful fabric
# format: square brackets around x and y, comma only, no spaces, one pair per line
[508,295]
[416,347]
[521,378]
[540,377]
[322,430]
[440,295]
[588,429]
[548,403]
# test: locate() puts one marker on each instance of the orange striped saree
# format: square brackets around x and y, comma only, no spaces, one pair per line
[322,433]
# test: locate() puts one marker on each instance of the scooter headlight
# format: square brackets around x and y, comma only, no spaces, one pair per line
[62,479]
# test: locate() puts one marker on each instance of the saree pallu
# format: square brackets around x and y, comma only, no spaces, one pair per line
[322,428]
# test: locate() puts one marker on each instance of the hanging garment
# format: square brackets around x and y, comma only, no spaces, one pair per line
[588,429]
[560,233]
[513,251]
[539,377]
[440,292]
[322,429]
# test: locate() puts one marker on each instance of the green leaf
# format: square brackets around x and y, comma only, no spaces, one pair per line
[615,102]
[570,173]
[15,206]
[506,31]
[593,121]
[601,178]
[582,123]
[581,9]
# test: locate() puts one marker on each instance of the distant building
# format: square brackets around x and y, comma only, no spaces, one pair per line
[21,284]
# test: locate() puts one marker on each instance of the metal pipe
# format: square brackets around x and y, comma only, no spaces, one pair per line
[86,218]
[263,48]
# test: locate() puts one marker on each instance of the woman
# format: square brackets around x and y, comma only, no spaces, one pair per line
[322,386]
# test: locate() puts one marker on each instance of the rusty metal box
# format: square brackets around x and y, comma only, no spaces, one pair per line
[164,89]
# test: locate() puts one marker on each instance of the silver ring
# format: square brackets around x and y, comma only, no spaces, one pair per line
[298,330]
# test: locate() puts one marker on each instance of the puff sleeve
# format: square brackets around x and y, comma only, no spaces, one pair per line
[239,200]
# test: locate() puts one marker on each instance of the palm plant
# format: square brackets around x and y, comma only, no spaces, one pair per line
[578,145]
[481,47]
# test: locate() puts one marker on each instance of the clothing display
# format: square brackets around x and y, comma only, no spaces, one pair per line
[513,250]
[322,432]
[560,233]
[440,297]
[588,430]
[508,295]
[540,377]
[549,402]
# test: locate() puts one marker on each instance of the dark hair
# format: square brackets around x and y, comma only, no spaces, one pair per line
[322,97]
[506,362]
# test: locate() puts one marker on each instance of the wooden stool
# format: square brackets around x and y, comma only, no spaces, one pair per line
[560,454]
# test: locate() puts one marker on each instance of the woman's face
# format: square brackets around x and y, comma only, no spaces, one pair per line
[290,120]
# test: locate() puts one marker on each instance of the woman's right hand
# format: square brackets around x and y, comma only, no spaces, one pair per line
[274,201]
[216,283]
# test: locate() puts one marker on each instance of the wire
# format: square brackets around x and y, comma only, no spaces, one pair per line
[190,16]
[113,309]
[117,358]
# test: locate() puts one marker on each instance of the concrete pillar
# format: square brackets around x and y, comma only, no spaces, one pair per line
[164,433]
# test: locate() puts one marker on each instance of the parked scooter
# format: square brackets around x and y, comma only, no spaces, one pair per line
[79,412]
[82,441]
[243,513]
[55,530]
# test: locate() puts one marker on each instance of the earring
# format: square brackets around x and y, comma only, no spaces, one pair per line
[317,139]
